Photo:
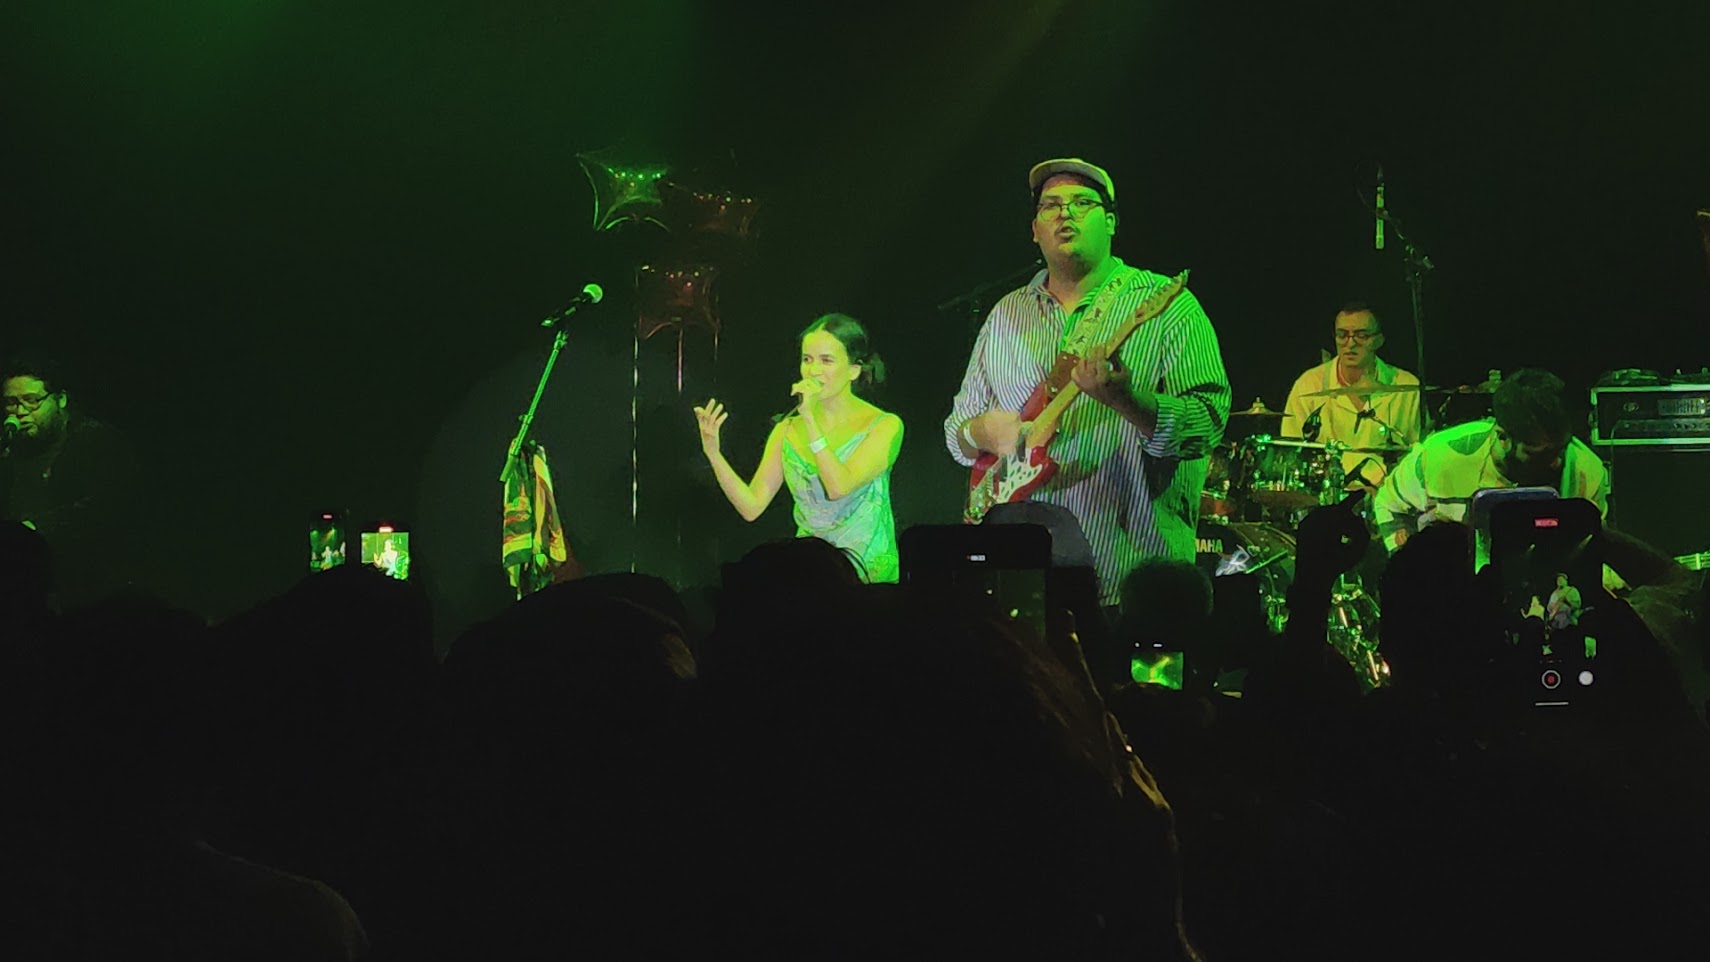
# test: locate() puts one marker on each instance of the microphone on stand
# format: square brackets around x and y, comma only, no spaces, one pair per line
[1313,424]
[11,431]
[591,294]
[1370,414]
[1378,237]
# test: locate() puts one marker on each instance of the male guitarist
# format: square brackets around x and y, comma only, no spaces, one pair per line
[1130,455]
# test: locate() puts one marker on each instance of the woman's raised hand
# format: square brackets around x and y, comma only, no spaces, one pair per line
[710,417]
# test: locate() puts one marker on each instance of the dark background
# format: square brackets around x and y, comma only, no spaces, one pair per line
[298,250]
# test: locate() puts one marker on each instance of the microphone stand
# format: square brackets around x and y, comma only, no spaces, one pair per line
[1415,265]
[515,451]
[514,455]
[974,299]
[519,456]
[1370,414]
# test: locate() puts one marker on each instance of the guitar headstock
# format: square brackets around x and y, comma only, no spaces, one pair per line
[1161,297]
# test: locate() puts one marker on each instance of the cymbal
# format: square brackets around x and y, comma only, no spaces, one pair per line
[1462,389]
[1364,390]
[1257,410]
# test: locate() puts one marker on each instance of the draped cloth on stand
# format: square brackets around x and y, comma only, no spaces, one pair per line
[534,551]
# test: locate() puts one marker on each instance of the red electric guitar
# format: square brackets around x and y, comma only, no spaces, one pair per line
[1000,480]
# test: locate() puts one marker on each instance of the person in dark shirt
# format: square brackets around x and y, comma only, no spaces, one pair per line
[68,476]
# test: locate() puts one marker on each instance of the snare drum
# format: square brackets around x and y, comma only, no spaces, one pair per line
[1287,474]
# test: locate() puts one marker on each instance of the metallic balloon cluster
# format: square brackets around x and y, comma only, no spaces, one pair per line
[704,226]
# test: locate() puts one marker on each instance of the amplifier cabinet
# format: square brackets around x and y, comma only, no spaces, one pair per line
[1665,415]
[1658,495]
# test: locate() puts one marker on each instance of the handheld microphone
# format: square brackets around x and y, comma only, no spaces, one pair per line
[591,294]
[1378,237]
[13,428]
[801,388]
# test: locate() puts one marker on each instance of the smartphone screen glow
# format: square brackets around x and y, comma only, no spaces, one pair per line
[387,550]
[326,541]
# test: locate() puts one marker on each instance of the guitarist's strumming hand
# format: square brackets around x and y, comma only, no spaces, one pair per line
[1102,376]
[996,432]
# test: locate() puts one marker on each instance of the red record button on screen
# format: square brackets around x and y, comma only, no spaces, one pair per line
[1551,678]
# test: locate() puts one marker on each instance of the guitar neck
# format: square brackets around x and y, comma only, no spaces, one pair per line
[1149,308]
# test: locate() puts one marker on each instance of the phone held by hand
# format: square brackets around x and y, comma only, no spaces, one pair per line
[1484,503]
[326,540]
[998,566]
[1546,559]
[387,547]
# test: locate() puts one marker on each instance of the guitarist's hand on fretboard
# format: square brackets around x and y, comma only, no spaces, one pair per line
[1101,375]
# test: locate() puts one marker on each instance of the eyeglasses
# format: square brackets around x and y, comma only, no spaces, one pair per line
[23,404]
[1358,336]
[1075,209]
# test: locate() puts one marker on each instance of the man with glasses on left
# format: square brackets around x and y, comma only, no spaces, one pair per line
[67,475]
[1378,420]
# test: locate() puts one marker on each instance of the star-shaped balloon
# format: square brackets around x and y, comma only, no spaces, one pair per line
[623,191]
[675,297]
[708,211]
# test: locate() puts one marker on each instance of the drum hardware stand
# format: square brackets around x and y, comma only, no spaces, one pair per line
[1351,636]
[1370,414]
[1237,563]
[1359,473]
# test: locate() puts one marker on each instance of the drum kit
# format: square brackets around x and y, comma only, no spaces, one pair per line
[1256,491]
[1278,477]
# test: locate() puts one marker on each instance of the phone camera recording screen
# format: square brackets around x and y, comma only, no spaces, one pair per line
[1016,594]
[1155,666]
[1002,567]
[1551,577]
[326,541]
[388,550]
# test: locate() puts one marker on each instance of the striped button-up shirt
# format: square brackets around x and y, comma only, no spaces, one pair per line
[1136,497]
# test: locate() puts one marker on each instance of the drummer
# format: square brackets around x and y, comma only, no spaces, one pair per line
[1326,405]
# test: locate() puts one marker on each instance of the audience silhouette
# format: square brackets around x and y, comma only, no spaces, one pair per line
[827,769]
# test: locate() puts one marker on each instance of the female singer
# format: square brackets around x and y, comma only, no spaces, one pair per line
[834,450]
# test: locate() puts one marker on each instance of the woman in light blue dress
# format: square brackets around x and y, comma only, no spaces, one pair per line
[834,451]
